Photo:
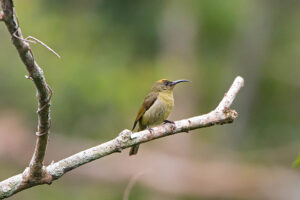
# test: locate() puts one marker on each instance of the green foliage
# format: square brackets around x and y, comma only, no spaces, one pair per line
[297,162]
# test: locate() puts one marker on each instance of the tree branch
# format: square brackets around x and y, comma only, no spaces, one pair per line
[221,115]
[35,172]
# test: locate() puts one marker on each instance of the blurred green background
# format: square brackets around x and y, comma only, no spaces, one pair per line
[112,51]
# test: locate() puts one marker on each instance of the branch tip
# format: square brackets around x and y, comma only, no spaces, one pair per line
[28,77]
[240,81]
[230,95]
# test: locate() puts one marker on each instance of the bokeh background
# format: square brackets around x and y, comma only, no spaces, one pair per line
[113,51]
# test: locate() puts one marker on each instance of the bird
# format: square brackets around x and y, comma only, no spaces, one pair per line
[156,107]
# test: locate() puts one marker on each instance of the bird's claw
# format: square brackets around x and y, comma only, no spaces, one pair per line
[149,129]
[169,122]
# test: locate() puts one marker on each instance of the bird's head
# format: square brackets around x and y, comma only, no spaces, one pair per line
[165,85]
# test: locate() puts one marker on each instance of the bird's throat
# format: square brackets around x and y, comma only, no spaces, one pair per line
[167,97]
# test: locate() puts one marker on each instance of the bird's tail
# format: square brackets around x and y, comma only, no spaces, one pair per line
[134,149]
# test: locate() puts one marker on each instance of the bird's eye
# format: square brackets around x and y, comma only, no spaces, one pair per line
[166,83]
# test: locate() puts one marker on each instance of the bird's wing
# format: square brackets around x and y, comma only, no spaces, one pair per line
[148,102]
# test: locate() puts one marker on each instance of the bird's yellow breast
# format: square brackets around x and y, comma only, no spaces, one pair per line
[159,111]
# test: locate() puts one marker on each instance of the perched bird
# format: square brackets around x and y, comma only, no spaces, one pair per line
[156,107]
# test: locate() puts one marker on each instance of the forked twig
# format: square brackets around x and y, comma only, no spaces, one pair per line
[43,44]
[34,40]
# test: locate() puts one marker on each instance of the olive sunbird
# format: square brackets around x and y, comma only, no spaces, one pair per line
[156,107]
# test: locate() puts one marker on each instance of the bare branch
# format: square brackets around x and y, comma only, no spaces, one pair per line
[36,172]
[221,115]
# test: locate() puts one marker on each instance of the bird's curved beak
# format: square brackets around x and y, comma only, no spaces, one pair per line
[179,81]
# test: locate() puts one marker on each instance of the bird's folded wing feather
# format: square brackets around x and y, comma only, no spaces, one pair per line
[148,102]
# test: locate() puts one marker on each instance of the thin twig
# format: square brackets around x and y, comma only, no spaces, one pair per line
[34,40]
[131,183]
[43,44]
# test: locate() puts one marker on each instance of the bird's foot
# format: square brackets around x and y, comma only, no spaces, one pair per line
[168,122]
[172,124]
[149,129]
